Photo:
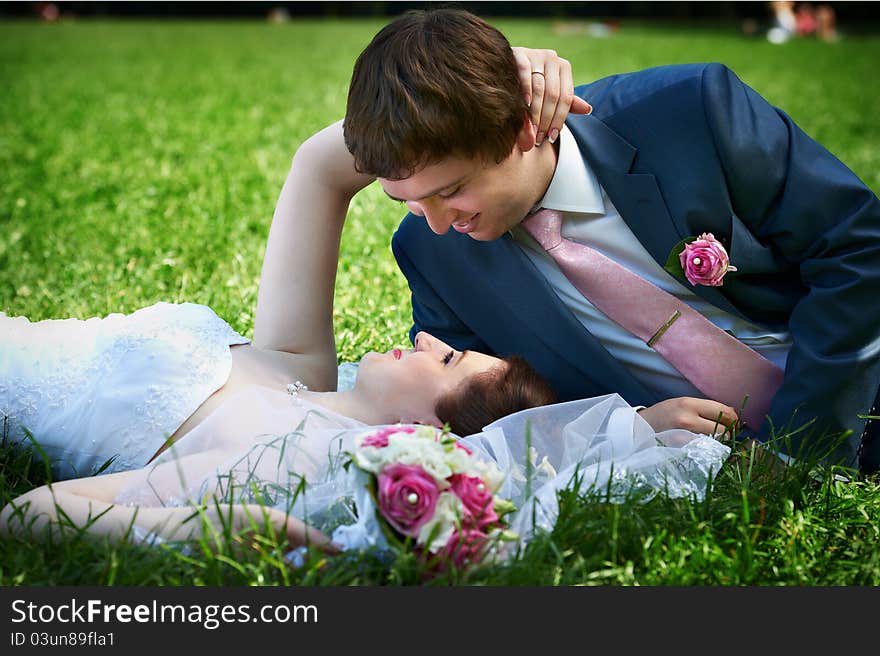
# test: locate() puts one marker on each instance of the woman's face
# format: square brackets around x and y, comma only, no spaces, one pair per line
[410,382]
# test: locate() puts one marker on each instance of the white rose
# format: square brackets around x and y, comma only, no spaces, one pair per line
[440,527]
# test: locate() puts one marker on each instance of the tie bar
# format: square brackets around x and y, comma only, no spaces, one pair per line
[662,329]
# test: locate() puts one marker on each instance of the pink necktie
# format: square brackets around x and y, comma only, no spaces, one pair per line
[715,362]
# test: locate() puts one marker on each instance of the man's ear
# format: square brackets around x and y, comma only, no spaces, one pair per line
[527,135]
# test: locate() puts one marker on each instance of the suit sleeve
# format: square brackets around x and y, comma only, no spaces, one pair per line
[800,200]
[430,312]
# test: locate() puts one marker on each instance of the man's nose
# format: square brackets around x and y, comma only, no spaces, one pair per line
[415,207]
[439,218]
[431,216]
[438,227]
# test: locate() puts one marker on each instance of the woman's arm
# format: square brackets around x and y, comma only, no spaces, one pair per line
[295,301]
[69,507]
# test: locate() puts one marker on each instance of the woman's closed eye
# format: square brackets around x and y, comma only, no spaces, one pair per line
[448,357]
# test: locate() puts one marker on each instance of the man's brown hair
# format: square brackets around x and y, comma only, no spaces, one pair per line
[430,85]
[485,397]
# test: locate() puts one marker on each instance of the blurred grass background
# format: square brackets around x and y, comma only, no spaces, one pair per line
[140,161]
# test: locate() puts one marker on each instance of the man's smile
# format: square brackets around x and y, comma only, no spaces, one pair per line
[467,226]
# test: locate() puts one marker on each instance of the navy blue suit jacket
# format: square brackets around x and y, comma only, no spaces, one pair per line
[683,150]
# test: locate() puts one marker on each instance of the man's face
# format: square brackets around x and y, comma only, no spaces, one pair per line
[481,200]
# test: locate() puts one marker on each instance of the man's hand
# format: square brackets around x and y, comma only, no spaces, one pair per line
[548,87]
[696,415]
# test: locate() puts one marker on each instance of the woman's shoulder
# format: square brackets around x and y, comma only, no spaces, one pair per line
[195,312]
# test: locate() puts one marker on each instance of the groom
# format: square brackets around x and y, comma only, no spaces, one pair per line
[435,112]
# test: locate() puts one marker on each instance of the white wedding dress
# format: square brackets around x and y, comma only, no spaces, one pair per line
[114,387]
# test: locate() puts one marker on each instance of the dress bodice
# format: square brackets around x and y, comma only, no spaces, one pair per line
[113,387]
[264,446]
[261,445]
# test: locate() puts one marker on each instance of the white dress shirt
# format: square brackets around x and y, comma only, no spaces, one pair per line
[591,218]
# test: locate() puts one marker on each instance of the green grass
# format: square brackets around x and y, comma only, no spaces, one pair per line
[141,162]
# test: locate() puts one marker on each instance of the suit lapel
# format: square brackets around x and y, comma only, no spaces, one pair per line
[635,195]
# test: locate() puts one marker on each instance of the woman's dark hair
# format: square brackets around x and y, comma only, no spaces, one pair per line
[488,396]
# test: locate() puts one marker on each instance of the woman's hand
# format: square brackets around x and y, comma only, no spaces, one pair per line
[696,415]
[301,534]
[251,518]
[548,86]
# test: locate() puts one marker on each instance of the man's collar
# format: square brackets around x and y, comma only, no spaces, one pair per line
[574,187]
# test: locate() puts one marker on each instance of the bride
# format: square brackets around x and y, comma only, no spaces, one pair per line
[119,390]
[264,447]
[274,456]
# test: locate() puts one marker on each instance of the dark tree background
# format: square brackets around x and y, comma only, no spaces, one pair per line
[854,14]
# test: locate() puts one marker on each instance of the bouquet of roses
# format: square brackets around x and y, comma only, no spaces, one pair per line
[430,491]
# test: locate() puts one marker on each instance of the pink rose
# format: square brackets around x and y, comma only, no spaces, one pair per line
[380,438]
[466,546]
[459,445]
[705,261]
[407,497]
[476,497]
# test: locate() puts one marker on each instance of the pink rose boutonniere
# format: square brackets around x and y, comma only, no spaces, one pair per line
[433,494]
[700,261]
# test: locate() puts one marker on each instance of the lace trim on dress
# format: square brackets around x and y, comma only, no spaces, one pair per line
[113,387]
